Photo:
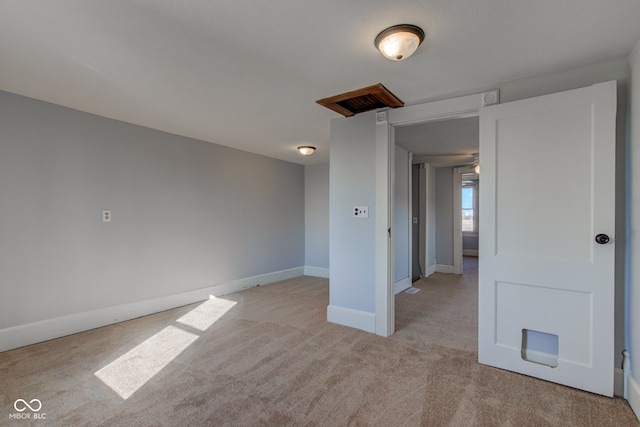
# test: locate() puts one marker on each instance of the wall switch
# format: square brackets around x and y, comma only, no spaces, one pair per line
[106,216]
[361,211]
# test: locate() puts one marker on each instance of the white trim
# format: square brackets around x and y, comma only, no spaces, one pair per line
[385,306]
[470,252]
[626,372]
[453,108]
[316,271]
[444,268]
[410,218]
[430,270]
[401,285]
[31,333]
[358,319]
[634,395]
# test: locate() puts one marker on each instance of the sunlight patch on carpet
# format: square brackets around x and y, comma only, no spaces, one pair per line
[207,313]
[134,369]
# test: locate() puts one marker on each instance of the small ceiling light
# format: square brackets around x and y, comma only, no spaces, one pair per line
[400,41]
[306,150]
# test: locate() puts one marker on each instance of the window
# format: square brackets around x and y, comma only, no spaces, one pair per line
[469,217]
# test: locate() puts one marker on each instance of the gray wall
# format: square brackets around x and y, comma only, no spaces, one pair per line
[316,215]
[187,214]
[470,242]
[444,216]
[352,240]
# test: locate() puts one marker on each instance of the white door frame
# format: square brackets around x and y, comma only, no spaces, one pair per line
[386,121]
[410,213]
[405,283]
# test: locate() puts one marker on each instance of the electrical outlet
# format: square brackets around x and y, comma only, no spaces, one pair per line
[106,215]
[361,211]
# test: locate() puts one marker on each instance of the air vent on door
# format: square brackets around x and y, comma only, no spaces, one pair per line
[361,100]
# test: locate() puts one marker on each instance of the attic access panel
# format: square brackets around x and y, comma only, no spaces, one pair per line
[358,101]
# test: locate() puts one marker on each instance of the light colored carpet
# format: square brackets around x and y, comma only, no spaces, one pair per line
[267,356]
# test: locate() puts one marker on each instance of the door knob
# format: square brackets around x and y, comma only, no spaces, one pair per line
[602,239]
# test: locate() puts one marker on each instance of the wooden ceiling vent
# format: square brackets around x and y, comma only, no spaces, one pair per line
[361,100]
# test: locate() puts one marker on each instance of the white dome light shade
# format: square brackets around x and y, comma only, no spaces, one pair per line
[306,150]
[399,42]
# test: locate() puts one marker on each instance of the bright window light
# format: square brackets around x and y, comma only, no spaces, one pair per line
[468,211]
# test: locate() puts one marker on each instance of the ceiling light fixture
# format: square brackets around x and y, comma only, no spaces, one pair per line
[399,42]
[476,162]
[306,150]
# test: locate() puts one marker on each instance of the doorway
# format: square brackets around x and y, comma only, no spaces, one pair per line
[387,123]
[444,154]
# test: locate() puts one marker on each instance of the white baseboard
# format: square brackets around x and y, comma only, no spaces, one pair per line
[634,395]
[31,333]
[470,252]
[430,270]
[316,271]
[402,285]
[358,319]
[443,268]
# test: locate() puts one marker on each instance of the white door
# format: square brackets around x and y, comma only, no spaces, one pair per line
[546,287]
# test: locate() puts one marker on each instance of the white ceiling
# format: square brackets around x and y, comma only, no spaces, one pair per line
[441,143]
[246,74]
